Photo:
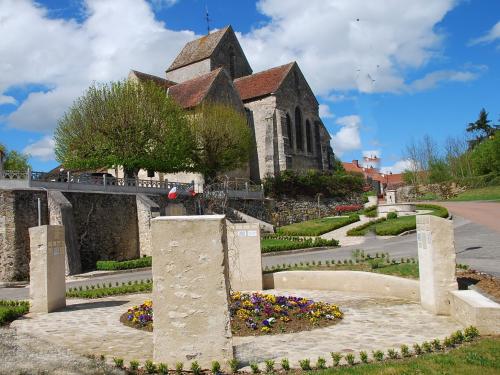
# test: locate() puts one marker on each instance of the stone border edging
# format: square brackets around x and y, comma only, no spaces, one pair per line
[347,281]
[91,274]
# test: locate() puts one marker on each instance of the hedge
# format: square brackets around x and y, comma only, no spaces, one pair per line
[317,227]
[100,292]
[362,229]
[436,210]
[11,310]
[110,265]
[293,243]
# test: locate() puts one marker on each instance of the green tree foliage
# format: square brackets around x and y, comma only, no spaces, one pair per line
[223,139]
[486,156]
[128,124]
[14,160]
[439,171]
[481,129]
[312,183]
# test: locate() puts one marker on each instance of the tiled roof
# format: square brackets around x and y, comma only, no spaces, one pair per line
[262,83]
[199,49]
[165,83]
[190,93]
[352,167]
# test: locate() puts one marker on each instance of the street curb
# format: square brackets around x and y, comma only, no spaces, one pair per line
[91,275]
[299,251]
[13,284]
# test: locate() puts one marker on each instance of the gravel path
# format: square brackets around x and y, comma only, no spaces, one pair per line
[21,353]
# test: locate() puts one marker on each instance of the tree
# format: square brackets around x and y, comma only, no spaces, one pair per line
[129,124]
[223,139]
[486,156]
[14,160]
[481,128]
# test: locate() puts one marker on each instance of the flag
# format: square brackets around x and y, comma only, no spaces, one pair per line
[172,194]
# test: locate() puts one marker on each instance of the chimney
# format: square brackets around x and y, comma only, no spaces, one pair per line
[355,162]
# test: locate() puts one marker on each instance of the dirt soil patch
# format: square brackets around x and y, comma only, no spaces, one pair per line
[485,283]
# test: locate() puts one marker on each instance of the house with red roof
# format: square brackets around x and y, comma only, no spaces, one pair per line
[377,180]
[282,110]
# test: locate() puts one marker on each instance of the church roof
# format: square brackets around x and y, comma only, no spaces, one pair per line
[190,93]
[262,83]
[162,82]
[199,49]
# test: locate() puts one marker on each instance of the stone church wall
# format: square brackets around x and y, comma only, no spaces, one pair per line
[188,72]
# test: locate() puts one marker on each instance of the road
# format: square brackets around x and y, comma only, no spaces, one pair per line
[483,213]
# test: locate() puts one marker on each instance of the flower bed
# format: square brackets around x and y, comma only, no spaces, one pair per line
[257,314]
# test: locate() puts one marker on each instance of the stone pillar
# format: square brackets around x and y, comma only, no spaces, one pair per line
[390,196]
[61,213]
[436,257]
[245,259]
[191,290]
[47,266]
[146,211]
[281,134]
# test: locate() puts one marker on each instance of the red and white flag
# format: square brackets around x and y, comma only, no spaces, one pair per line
[172,194]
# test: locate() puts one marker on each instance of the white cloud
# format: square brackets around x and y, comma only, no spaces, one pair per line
[348,44]
[5,99]
[489,37]
[325,112]
[68,56]
[398,167]
[347,138]
[433,79]
[160,4]
[42,149]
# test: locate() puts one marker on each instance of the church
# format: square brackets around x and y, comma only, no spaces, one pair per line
[281,108]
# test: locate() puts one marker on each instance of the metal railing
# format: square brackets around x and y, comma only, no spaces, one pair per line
[66,181]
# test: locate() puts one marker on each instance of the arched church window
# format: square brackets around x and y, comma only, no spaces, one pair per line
[289,132]
[298,129]
[232,62]
[308,136]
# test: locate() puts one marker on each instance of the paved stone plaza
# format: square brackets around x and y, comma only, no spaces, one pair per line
[370,323]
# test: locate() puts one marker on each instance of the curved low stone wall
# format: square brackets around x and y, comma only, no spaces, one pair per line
[398,207]
[346,281]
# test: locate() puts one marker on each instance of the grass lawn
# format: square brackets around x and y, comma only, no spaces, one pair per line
[479,357]
[316,227]
[481,194]
[11,310]
[393,227]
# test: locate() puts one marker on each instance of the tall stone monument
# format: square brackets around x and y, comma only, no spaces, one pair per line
[436,257]
[390,196]
[245,256]
[47,268]
[190,290]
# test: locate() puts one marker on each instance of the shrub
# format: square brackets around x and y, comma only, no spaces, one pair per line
[195,368]
[150,367]
[285,364]
[233,365]
[447,342]
[457,337]
[215,369]
[118,362]
[436,344]
[336,357]
[378,355]
[291,183]
[179,366]
[392,354]
[392,215]
[470,333]
[305,364]
[348,208]
[362,229]
[405,351]
[417,349]
[269,366]
[321,363]
[162,368]
[426,347]
[255,368]
[363,356]
[350,359]
[111,265]
[134,365]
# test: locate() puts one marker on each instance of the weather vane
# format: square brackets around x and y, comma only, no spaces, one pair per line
[207,18]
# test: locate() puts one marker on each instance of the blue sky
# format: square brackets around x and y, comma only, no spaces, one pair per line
[384,71]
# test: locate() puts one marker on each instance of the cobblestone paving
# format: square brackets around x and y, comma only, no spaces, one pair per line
[369,323]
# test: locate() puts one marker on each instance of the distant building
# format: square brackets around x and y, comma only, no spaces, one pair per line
[379,181]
